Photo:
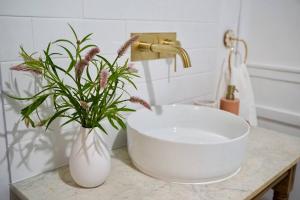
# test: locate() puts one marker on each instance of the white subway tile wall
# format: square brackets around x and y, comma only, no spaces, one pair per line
[199,25]
[36,8]
[15,31]
[4,173]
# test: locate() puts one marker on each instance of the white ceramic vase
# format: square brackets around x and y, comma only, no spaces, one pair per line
[90,160]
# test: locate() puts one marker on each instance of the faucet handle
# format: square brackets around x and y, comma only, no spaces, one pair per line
[175,43]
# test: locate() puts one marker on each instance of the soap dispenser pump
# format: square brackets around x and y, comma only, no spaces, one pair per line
[230,103]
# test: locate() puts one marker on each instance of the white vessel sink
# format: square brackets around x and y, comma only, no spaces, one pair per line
[187,144]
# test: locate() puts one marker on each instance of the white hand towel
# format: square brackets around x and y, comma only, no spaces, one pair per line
[223,81]
[241,79]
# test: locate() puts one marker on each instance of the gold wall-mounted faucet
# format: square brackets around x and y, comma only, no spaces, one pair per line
[151,46]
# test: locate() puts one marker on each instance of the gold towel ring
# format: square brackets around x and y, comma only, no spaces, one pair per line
[231,52]
[245,47]
[229,61]
[229,39]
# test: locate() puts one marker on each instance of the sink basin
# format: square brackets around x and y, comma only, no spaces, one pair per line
[186,143]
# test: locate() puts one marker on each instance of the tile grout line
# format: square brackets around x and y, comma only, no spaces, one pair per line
[112,54]
[82,17]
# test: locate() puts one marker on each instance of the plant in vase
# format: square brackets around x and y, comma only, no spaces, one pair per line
[88,90]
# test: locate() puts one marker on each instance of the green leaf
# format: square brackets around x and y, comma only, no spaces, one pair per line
[124,109]
[48,47]
[57,114]
[71,66]
[107,62]
[101,128]
[87,46]
[70,120]
[55,54]
[120,122]
[68,52]
[112,122]
[66,41]
[86,38]
[28,121]
[52,65]
[66,73]
[32,107]
[88,74]
[26,98]
[132,83]
[73,32]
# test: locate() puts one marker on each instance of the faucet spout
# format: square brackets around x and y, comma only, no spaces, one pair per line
[172,49]
[184,57]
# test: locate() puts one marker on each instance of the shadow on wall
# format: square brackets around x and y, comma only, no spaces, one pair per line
[29,146]
[149,82]
[150,87]
[34,150]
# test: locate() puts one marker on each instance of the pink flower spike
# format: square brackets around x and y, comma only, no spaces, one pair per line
[91,54]
[127,44]
[130,65]
[103,78]
[131,69]
[140,101]
[80,67]
[22,67]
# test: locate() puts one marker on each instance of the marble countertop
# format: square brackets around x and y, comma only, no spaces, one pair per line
[269,155]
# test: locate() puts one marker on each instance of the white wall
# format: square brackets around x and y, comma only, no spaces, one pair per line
[272,29]
[199,24]
[4,172]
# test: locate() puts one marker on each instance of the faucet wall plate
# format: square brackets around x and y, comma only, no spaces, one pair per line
[152,38]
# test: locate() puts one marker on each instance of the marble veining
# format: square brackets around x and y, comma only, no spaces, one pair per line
[269,153]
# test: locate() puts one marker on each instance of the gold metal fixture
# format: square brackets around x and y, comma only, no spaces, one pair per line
[230,92]
[158,45]
[230,38]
